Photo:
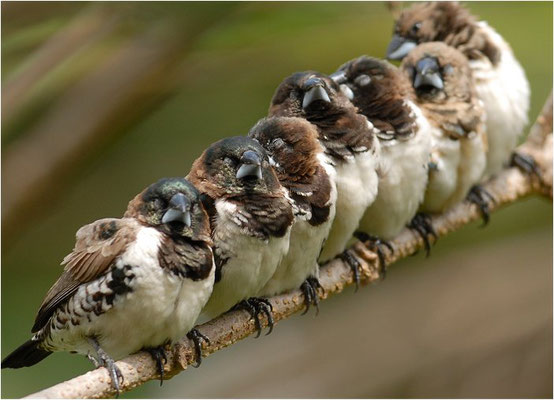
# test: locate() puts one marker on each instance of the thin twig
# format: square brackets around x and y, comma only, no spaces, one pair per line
[510,185]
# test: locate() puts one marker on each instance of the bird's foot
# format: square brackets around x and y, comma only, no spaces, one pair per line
[255,306]
[483,200]
[309,288]
[527,164]
[104,360]
[159,355]
[377,246]
[354,265]
[197,337]
[421,223]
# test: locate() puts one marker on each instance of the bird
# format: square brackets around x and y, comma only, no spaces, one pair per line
[131,283]
[348,139]
[499,79]
[386,97]
[307,174]
[251,219]
[442,80]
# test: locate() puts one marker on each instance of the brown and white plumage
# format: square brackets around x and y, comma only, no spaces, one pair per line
[133,283]
[446,94]
[349,140]
[250,215]
[499,79]
[307,174]
[385,96]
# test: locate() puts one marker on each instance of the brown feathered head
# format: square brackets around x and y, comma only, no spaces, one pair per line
[427,22]
[439,73]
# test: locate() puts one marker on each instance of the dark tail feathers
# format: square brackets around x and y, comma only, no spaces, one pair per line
[25,355]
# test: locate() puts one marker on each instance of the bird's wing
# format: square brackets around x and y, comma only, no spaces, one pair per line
[96,248]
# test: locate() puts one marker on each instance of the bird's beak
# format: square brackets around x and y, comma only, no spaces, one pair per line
[251,165]
[179,210]
[427,73]
[338,77]
[347,91]
[399,47]
[315,92]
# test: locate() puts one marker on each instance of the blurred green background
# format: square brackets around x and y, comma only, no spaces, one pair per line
[102,99]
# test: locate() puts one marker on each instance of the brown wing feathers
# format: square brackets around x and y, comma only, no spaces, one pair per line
[97,246]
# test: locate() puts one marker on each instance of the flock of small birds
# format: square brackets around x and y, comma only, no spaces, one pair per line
[362,152]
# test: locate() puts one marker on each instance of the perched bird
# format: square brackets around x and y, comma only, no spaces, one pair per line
[251,219]
[386,97]
[349,140]
[499,78]
[307,174]
[442,80]
[134,283]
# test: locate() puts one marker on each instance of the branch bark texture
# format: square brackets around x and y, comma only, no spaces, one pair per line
[509,186]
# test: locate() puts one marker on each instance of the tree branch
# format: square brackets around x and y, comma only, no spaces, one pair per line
[510,185]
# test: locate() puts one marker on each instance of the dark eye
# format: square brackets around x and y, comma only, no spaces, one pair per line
[415,28]
[229,161]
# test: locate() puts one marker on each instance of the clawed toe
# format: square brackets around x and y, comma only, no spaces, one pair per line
[197,337]
[354,265]
[311,297]
[255,306]
[527,164]
[159,355]
[422,225]
[483,200]
[377,245]
[104,360]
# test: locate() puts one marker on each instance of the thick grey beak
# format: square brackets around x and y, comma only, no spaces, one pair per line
[427,73]
[347,91]
[314,94]
[178,211]
[251,165]
[399,47]
[338,77]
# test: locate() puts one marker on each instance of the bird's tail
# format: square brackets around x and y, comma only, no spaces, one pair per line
[29,353]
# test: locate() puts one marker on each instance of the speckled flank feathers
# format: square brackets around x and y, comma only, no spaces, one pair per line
[122,286]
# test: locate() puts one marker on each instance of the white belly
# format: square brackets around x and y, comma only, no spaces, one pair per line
[301,260]
[251,263]
[402,185]
[505,92]
[161,306]
[357,185]
[445,154]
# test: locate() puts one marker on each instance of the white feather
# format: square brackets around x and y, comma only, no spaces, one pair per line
[402,185]
[161,306]
[251,263]
[505,92]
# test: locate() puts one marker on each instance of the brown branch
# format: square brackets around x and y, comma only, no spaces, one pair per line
[510,185]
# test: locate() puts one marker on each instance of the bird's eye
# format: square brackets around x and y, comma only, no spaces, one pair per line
[228,161]
[159,204]
[448,69]
[362,80]
[277,143]
[415,28]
